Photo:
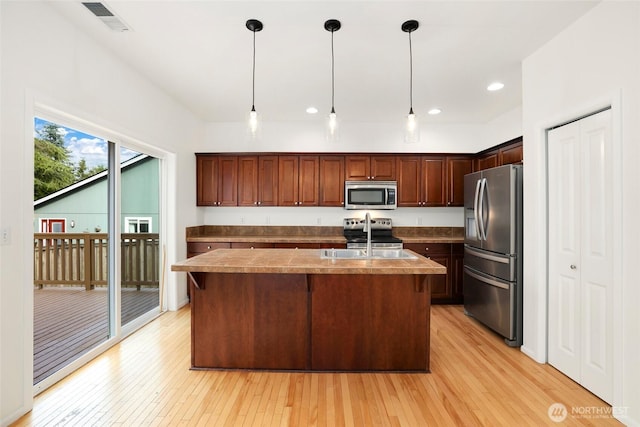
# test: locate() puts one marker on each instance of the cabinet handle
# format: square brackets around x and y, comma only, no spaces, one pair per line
[208,247]
[573,267]
[259,203]
[426,249]
[255,203]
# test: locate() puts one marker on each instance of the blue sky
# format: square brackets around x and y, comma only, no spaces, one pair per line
[84,146]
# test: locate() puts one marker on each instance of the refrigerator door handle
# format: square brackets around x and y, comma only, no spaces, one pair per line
[475,209]
[483,231]
[484,279]
[483,255]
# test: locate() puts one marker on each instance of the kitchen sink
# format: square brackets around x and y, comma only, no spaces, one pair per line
[362,254]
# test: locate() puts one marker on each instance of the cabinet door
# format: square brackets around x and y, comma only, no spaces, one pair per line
[309,180]
[268,181]
[457,271]
[487,161]
[288,180]
[357,168]
[383,168]
[511,154]
[409,176]
[457,168]
[207,180]
[228,181]
[248,181]
[434,180]
[441,283]
[331,181]
[197,248]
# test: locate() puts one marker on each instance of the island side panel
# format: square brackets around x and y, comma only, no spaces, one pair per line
[370,322]
[257,321]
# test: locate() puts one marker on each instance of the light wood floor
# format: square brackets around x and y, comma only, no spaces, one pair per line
[476,380]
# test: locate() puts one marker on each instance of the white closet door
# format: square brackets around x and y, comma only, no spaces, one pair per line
[564,250]
[596,255]
[580,252]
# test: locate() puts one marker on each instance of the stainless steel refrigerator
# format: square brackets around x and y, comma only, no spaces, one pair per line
[492,280]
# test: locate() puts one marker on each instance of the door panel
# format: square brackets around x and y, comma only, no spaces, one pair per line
[580,252]
[564,233]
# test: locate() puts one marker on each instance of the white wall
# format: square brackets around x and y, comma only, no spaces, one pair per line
[308,136]
[593,62]
[46,60]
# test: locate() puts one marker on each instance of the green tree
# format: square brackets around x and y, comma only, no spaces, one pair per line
[81,171]
[52,169]
[51,133]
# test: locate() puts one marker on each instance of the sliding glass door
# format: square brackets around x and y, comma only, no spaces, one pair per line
[140,251]
[97,245]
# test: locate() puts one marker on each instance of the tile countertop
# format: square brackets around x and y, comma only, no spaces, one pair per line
[300,261]
[314,234]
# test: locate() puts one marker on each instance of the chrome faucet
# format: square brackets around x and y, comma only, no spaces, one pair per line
[367,228]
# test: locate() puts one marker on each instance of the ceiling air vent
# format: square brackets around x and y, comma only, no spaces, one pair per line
[106,16]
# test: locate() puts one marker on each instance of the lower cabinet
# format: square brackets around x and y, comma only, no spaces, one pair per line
[197,248]
[445,289]
[250,321]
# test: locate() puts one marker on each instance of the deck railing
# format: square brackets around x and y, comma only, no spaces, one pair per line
[80,259]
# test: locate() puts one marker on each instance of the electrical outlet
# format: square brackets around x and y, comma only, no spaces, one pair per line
[419,220]
[268,221]
[319,221]
[5,236]
[241,220]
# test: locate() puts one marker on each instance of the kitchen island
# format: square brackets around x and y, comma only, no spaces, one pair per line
[291,309]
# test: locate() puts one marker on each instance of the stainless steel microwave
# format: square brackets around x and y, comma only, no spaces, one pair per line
[370,194]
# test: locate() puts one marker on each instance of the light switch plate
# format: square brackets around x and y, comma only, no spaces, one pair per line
[5,236]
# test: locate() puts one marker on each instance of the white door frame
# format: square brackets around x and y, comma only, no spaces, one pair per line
[613,100]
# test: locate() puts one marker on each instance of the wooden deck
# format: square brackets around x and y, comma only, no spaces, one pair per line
[69,321]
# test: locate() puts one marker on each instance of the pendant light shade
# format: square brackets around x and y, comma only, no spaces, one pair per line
[332,25]
[412,127]
[254,26]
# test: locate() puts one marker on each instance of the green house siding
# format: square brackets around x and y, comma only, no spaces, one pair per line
[87,204]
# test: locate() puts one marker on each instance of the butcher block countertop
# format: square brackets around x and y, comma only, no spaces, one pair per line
[301,261]
[313,234]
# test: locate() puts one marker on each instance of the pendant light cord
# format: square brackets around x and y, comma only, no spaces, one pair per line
[253,86]
[332,77]
[410,76]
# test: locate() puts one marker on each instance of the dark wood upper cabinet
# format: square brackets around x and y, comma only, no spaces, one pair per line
[487,161]
[370,168]
[434,180]
[298,180]
[504,154]
[331,181]
[457,168]
[511,154]
[217,180]
[258,181]
[422,180]
[409,172]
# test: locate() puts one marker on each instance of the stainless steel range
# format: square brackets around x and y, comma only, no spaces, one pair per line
[381,233]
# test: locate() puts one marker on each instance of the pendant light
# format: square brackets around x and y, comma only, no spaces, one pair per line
[253,25]
[332,25]
[412,128]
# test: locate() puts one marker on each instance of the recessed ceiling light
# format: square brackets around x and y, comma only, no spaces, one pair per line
[495,86]
[312,110]
[434,111]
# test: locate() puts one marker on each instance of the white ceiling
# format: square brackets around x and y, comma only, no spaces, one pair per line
[200,53]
